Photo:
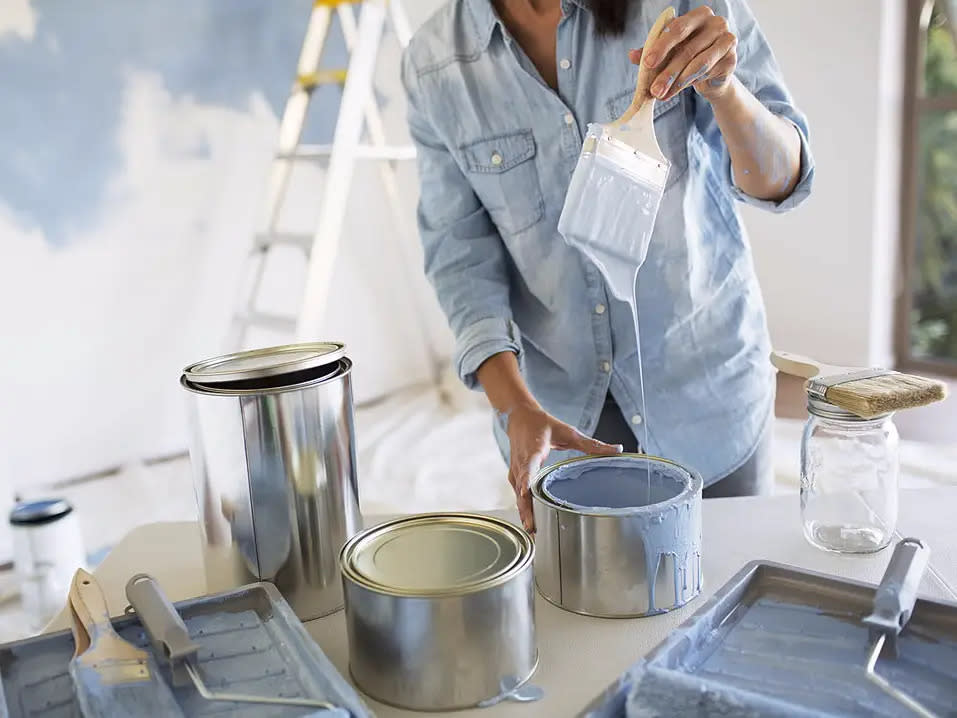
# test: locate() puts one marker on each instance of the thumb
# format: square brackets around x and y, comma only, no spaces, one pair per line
[570,438]
[635,56]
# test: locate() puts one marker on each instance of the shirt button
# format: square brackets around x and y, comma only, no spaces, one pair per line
[569,118]
[606,366]
[636,419]
[599,309]
[565,63]
[496,159]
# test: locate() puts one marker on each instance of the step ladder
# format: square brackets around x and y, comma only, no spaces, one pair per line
[357,110]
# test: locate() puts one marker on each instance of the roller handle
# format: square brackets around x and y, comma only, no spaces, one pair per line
[645,74]
[162,622]
[895,597]
[805,367]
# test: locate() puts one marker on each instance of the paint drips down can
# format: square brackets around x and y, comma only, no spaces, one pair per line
[631,549]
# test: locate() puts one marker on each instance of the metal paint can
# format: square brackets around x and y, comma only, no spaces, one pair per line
[272,447]
[440,610]
[636,558]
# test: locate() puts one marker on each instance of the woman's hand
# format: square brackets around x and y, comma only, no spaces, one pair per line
[695,49]
[532,433]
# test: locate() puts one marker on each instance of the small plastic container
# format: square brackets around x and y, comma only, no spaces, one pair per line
[849,479]
[48,549]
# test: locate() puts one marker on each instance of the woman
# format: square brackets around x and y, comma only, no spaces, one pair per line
[500,94]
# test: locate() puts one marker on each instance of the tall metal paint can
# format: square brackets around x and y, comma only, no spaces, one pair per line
[272,447]
[440,610]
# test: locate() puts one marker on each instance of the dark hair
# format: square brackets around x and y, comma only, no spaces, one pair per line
[610,15]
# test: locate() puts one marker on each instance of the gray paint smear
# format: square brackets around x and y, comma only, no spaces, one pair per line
[63,90]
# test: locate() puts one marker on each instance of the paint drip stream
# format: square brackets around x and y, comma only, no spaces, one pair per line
[641,383]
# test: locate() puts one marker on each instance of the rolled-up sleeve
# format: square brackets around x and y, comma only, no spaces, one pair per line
[758,71]
[465,258]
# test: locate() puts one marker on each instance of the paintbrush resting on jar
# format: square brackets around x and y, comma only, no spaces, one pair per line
[868,393]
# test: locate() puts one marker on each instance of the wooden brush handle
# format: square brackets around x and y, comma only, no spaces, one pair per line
[805,367]
[81,639]
[645,74]
[88,602]
[89,605]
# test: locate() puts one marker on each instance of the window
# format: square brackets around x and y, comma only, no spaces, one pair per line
[927,321]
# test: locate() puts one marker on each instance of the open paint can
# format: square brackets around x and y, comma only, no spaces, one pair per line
[618,536]
[440,610]
[273,455]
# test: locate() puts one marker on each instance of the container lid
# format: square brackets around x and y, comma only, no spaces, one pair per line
[826,410]
[435,554]
[261,363]
[42,511]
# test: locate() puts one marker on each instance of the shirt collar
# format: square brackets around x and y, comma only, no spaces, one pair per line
[486,19]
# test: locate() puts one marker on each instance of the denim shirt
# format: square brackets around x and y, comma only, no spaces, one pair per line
[496,150]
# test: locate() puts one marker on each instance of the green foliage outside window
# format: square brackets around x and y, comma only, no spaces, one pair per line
[933,321]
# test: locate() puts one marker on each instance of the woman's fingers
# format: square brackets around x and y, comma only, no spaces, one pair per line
[703,66]
[522,503]
[676,32]
[689,57]
[635,56]
[690,53]
[568,439]
[523,467]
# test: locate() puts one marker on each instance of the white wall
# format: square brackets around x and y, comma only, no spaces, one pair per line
[828,269]
[128,195]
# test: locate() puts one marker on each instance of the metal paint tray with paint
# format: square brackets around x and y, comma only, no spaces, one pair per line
[251,642]
[778,641]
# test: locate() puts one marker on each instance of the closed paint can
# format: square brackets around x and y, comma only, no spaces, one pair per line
[47,551]
[618,536]
[440,610]
[272,447]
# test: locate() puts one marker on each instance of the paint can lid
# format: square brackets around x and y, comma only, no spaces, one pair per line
[436,554]
[262,363]
[38,512]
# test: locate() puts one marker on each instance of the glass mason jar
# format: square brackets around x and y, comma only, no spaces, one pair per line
[849,479]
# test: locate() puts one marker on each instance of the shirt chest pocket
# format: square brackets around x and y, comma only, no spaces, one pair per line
[671,128]
[502,172]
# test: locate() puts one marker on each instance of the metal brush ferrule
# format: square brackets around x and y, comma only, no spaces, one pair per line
[817,387]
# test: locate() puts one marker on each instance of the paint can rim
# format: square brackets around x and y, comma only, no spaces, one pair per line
[695,486]
[357,559]
[274,361]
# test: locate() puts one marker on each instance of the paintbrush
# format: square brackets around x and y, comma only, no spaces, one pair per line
[111,677]
[868,393]
[615,191]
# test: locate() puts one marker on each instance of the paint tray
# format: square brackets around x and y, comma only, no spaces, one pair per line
[778,641]
[611,205]
[251,642]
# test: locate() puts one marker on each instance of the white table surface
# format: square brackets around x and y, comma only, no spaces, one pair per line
[581,656]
